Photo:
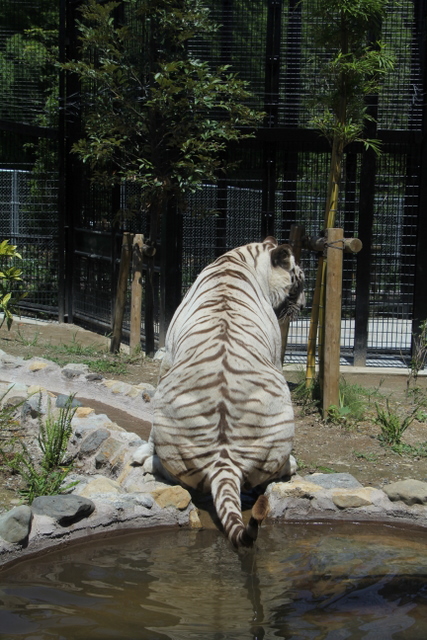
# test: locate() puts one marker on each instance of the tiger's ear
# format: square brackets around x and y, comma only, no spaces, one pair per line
[283,257]
[270,240]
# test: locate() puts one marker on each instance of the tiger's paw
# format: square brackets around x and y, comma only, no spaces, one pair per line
[142,453]
[290,468]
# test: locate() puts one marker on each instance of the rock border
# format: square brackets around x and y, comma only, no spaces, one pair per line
[111,494]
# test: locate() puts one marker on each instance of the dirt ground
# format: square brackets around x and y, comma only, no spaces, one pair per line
[319,446]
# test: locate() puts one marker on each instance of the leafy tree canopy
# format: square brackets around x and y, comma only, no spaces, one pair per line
[154,114]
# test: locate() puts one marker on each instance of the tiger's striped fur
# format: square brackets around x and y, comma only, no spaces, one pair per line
[222,411]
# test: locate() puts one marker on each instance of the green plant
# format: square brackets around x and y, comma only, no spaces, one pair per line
[419,353]
[393,425]
[416,451]
[352,403]
[325,469]
[47,477]
[39,482]
[27,342]
[8,277]
[308,397]
[54,435]
[354,62]
[370,457]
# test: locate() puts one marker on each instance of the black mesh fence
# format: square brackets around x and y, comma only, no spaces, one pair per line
[280,176]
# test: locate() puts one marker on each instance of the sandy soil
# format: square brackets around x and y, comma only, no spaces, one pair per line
[351,446]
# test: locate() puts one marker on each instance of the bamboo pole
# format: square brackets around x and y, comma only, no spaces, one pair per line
[136,294]
[318,303]
[332,328]
[119,307]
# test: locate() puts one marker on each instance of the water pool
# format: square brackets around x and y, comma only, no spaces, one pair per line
[304,581]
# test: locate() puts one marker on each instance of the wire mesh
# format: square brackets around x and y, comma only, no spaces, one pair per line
[278,180]
[28,219]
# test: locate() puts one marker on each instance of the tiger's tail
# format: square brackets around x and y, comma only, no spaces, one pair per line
[225,488]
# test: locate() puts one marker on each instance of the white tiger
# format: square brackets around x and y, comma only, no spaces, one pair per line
[223,417]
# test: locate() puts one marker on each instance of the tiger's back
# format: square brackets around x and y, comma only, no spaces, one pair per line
[223,417]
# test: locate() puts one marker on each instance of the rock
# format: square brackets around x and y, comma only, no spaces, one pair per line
[352,498]
[15,525]
[14,401]
[83,412]
[102,484]
[116,386]
[109,453]
[334,480]
[94,377]
[65,509]
[93,441]
[146,386]
[62,400]
[195,522]
[160,354]
[33,407]
[176,496]
[298,487]
[37,366]
[408,491]
[11,362]
[74,370]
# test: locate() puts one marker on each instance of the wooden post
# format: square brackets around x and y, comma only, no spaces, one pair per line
[119,307]
[136,293]
[333,298]
[295,240]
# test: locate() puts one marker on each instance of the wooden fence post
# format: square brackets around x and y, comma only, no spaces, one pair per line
[136,293]
[334,264]
[119,307]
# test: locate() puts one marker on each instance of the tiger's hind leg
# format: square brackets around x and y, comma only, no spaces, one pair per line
[289,469]
[143,452]
[145,457]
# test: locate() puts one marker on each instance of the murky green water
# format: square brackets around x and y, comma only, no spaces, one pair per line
[314,581]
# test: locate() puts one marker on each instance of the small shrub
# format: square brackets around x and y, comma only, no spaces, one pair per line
[47,477]
[307,397]
[8,277]
[419,353]
[352,403]
[393,426]
[54,436]
[369,457]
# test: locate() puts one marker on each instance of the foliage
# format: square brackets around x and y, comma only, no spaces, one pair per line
[8,277]
[308,397]
[419,353]
[46,478]
[356,66]
[352,403]
[346,31]
[54,435]
[160,119]
[393,425]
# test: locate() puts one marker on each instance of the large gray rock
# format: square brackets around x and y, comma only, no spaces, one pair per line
[334,480]
[74,370]
[408,491]
[15,525]
[93,441]
[65,509]
[63,399]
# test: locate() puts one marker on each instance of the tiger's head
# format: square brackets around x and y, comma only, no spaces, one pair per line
[286,281]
